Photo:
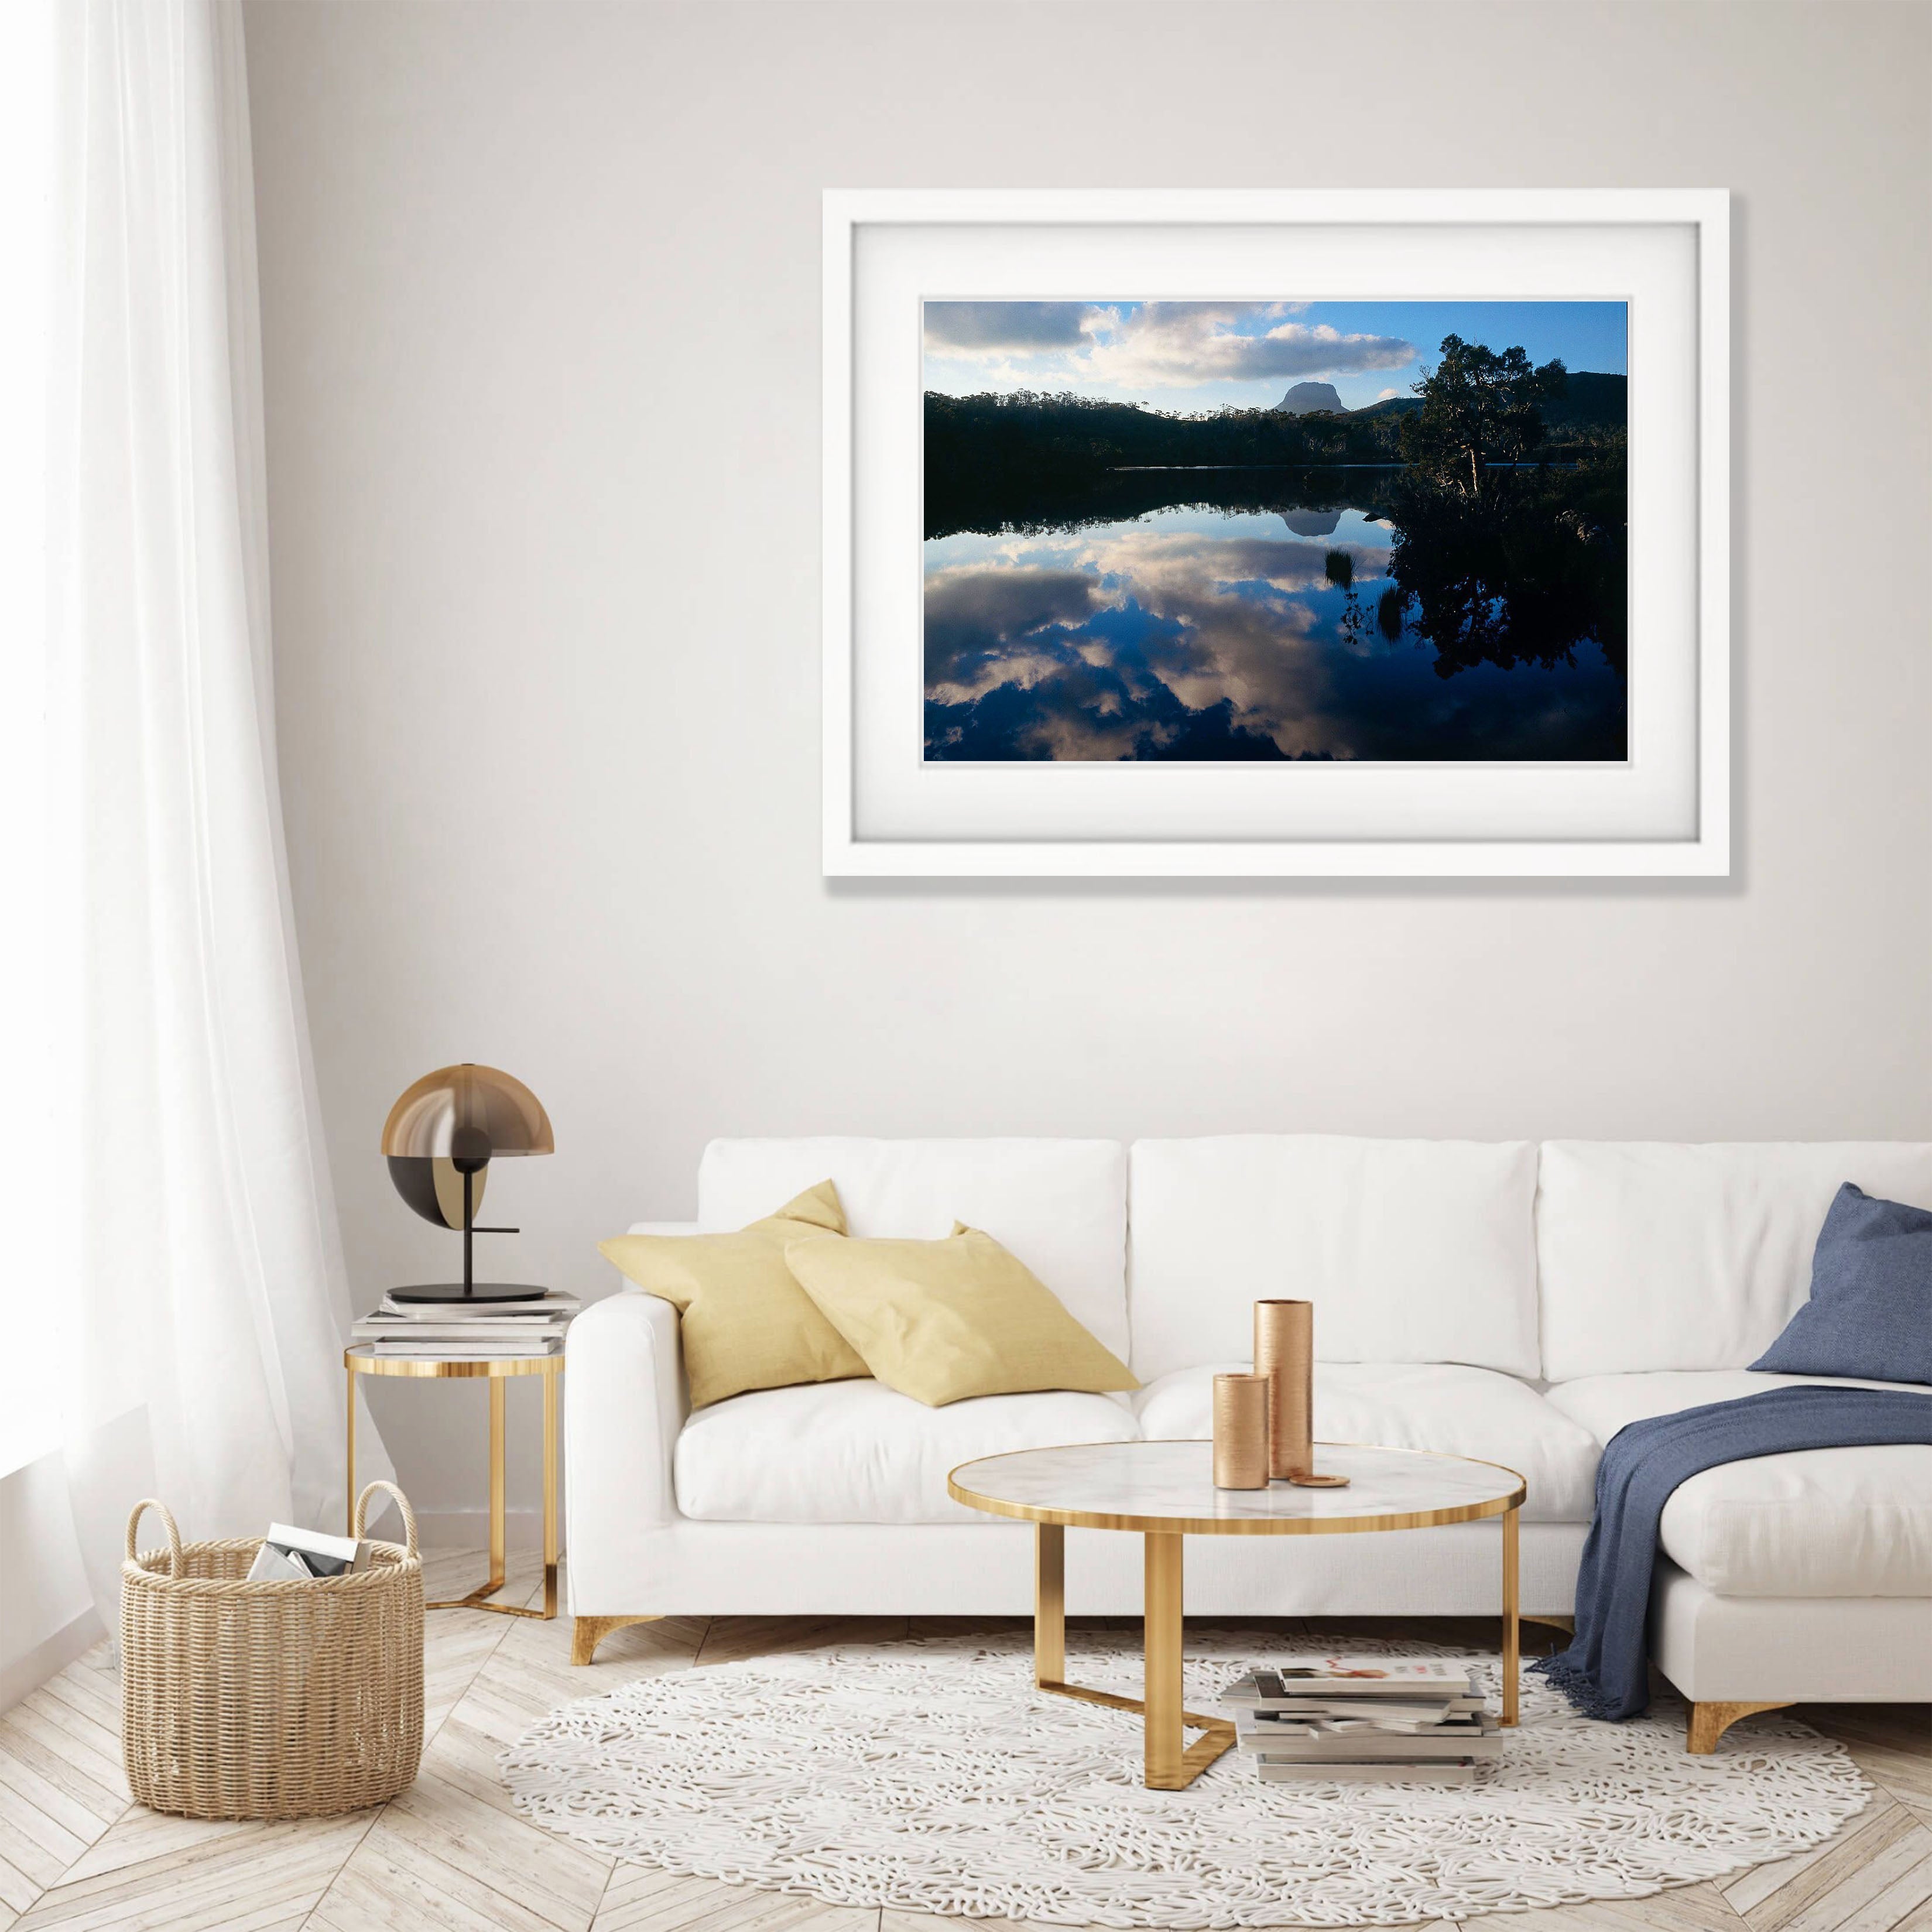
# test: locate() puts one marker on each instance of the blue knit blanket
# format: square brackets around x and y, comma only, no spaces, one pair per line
[1603,1672]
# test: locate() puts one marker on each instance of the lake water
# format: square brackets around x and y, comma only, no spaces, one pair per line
[1220,633]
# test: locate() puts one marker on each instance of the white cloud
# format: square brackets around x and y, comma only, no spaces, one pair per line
[1387,395]
[1180,345]
[980,328]
[1173,345]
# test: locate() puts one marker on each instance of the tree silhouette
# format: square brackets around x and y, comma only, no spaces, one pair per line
[1478,407]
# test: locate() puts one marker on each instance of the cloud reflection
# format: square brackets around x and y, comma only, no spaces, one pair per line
[1162,639]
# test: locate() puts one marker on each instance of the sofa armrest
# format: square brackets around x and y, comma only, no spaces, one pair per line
[624,1405]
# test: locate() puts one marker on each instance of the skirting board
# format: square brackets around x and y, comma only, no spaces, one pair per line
[26,1675]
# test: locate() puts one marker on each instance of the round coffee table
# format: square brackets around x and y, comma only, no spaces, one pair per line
[1166,1490]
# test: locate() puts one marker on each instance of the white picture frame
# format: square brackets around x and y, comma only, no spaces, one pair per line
[1665,812]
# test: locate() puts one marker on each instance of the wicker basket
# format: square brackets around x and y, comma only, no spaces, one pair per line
[269,1700]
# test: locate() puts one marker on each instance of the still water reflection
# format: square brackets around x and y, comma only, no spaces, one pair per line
[1230,631]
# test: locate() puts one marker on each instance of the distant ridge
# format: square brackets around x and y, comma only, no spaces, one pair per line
[1589,401]
[1389,405]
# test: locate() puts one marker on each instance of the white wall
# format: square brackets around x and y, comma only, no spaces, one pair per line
[540,287]
[46,1614]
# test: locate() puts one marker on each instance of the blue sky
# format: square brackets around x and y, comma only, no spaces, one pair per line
[1194,355]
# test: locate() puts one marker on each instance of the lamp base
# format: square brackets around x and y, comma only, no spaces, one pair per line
[440,1292]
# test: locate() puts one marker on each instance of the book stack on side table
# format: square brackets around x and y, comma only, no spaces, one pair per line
[1409,1720]
[476,1332]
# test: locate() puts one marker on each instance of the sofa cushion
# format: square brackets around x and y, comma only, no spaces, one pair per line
[1812,1522]
[859,1452]
[1657,1256]
[1871,1309]
[1404,1405]
[743,1321]
[1411,1251]
[944,1321]
[1060,1205]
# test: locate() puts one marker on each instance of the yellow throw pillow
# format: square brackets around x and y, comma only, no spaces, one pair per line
[940,1321]
[745,1321]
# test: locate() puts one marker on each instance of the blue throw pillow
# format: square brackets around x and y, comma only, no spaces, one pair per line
[1870,1310]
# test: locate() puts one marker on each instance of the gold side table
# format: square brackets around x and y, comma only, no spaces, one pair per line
[363,1360]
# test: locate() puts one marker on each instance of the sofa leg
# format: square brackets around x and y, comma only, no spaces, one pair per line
[589,1632]
[1709,1722]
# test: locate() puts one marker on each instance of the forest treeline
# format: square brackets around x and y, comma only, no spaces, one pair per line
[1025,459]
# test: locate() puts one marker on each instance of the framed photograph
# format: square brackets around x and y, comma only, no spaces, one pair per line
[1260,532]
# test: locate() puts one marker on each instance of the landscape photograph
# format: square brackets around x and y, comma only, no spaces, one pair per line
[1212,532]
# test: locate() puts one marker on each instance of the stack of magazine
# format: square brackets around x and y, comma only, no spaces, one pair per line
[289,1556]
[1420,1720]
[468,1331]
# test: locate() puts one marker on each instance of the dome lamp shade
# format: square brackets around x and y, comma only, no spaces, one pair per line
[441,1135]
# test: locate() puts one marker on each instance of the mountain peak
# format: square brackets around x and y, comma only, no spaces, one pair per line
[1306,398]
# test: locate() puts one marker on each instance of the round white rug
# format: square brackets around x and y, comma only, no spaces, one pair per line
[931,1776]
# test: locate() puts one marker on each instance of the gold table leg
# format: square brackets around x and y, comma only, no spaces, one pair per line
[1049,1606]
[1512,1630]
[1160,1648]
[1169,1766]
[349,1501]
[499,1487]
[498,1508]
[550,1495]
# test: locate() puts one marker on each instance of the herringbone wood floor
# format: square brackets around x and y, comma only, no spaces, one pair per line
[451,1851]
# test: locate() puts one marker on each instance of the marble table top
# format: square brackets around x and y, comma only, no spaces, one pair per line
[1169,1486]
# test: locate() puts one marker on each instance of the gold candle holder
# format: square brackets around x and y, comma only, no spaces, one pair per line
[1240,1432]
[1285,1355]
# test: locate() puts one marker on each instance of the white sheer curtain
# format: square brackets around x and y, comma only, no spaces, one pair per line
[27,1417]
[201,1263]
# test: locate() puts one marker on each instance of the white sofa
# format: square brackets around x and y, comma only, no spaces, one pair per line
[1506,1301]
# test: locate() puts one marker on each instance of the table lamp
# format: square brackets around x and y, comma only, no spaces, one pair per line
[439,1140]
